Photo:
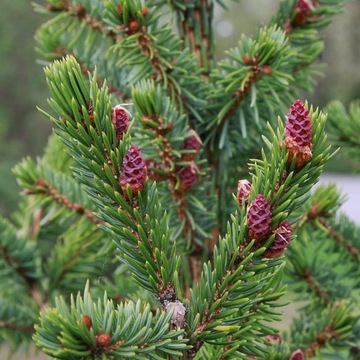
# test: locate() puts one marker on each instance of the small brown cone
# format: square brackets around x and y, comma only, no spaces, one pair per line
[282,239]
[133,171]
[298,134]
[259,218]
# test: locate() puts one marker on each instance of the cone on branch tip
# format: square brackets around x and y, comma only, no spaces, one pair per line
[87,321]
[297,355]
[103,340]
[188,176]
[133,171]
[282,239]
[259,218]
[243,191]
[193,142]
[303,8]
[298,134]
[120,119]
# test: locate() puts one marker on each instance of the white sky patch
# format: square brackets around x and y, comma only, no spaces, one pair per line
[224,28]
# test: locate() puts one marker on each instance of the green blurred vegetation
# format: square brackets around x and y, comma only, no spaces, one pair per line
[22,86]
[24,132]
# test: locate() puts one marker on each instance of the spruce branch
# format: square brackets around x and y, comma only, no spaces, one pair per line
[135,220]
[83,13]
[47,190]
[19,255]
[156,53]
[264,58]
[340,239]
[329,329]
[92,329]
[17,327]
[171,159]
[158,177]
[301,21]
[315,286]
[319,213]
[238,257]
[41,180]
[17,320]
[172,151]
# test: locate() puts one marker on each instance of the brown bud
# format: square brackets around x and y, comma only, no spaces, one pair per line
[145,11]
[87,321]
[266,69]
[103,340]
[41,182]
[248,60]
[134,25]
[80,11]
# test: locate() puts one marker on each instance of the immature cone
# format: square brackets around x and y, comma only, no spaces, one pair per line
[297,355]
[133,171]
[282,238]
[191,143]
[298,134]
[120,120]
[188,176]
[259,218]
[303,9]
[243,191]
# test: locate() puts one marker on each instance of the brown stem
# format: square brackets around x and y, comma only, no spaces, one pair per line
[168,160]
[79,12]
[340,239]
[197,38]
[48,190]
[16,266]
[17,327]
[314,214]
[209,317]
[152,54]
[241,94]
[324,296]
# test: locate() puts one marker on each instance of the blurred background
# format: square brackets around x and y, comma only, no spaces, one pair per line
[24,132]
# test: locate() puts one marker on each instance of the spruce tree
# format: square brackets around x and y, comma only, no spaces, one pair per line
[171,211]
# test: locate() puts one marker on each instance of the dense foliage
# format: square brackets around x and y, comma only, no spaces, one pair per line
[176,191]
